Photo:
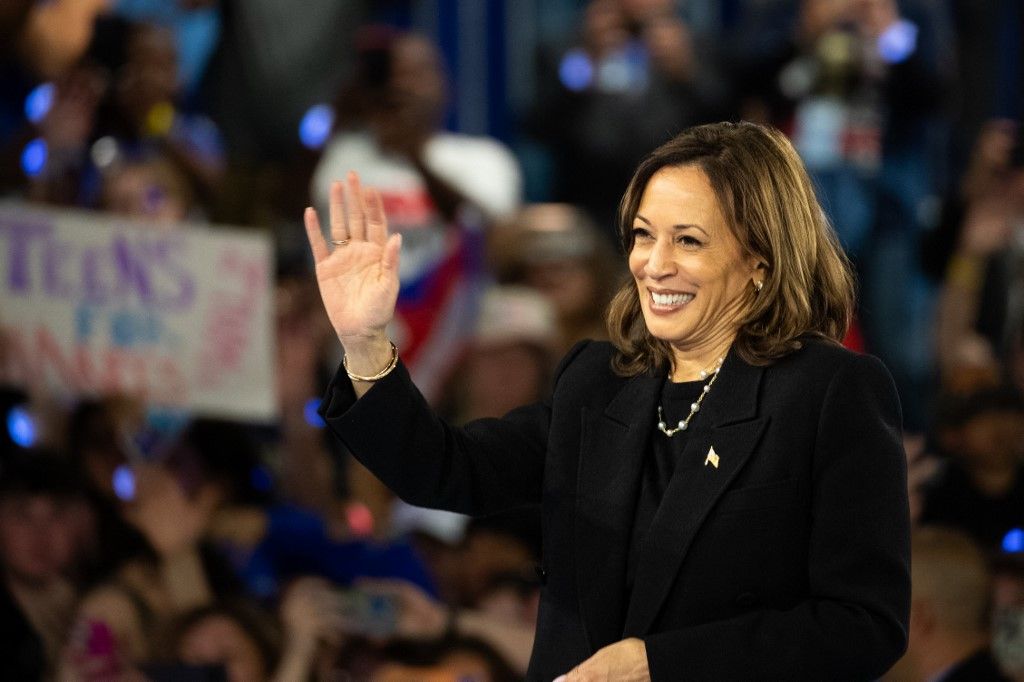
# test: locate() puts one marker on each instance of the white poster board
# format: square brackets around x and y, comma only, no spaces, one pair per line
[180,316]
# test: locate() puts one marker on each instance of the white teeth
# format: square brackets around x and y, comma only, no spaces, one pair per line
[671,299]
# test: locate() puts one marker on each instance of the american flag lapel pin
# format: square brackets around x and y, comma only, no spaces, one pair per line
[712,457]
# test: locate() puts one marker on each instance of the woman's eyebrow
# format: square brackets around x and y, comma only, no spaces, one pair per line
[681,226]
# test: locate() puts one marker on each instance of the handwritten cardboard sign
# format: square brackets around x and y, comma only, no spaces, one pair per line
[180,316]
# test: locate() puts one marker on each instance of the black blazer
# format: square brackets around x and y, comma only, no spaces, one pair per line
[787,561]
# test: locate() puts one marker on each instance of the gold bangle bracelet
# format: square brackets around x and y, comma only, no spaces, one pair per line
[379,375]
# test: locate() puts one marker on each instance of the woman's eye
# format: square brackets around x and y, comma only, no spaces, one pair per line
[640,233]
[687,240]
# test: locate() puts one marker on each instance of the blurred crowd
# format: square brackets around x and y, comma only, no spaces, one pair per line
[137,545]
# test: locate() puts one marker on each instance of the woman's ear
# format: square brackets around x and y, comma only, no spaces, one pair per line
[758,271]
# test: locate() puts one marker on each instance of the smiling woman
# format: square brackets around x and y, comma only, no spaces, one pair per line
[765,534]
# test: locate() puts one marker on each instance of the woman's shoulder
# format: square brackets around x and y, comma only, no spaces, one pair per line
[587,364]
[587,354]
[823,356]
[821,366]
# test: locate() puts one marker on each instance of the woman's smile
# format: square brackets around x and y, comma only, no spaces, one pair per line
[663,301]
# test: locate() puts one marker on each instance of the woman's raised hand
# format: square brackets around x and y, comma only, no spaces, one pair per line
[357,269]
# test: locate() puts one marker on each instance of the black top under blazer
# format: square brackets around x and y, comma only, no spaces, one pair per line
[787,561]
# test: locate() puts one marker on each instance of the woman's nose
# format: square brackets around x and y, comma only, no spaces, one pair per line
[660,263]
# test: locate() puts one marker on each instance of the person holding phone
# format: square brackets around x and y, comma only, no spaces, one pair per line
[723,485]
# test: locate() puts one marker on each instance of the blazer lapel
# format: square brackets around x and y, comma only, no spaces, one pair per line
[613,446]
[730,411]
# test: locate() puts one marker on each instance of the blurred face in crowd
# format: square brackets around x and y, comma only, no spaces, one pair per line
[562,256]
[150,76]
[993,440]
[37,538]
[149,191]
[691,274]
[604,26]
[219,640]
[417,79]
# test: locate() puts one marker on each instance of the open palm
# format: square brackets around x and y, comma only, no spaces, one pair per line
[358,277]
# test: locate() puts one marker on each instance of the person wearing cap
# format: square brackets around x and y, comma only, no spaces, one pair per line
[723,485]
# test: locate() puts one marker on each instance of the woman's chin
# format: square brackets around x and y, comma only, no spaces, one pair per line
[667,330]
[672,338]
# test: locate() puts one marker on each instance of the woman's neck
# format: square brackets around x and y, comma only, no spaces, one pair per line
[688,364]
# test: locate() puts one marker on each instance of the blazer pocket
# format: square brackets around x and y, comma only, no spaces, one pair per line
[758,497]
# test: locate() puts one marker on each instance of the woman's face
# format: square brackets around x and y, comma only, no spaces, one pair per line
[691,273]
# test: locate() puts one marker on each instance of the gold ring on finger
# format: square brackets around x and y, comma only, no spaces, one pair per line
[339,242]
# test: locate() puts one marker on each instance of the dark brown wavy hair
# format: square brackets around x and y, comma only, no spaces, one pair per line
[769,204]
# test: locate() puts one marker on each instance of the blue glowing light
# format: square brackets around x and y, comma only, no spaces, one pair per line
[897,42]
[33,157]
[123,483]
[309,411]
[39,101]
[1014,541]
[316,126]
[21,427]
[576,70]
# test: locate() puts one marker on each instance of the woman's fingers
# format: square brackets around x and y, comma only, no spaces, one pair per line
[337,211]
[376,221]
[315,236]
[356,214]
[355,208]
[389,261]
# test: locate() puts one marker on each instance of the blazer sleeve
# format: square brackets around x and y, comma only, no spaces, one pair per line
[488,466]
[853,623]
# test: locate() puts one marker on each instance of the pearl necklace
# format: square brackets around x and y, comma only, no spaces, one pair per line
[694,407]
